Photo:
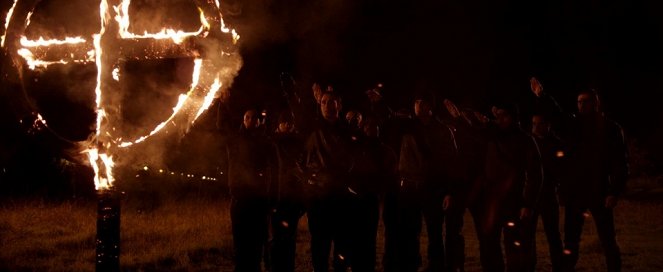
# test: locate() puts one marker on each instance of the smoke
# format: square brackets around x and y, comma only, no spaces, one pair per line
[142,97]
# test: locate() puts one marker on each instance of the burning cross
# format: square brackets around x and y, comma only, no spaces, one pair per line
[113,43]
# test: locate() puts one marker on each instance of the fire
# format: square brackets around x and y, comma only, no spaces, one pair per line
[177,36]
[209,98]
[9,17]
[181,102]
[206,78]
[41,42]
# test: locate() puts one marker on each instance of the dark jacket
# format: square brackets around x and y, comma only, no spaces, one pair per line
[289,152]
[251,164]
[597,161]
[330,157]
[553,160]
[597,156]
[512,172]
[429,157]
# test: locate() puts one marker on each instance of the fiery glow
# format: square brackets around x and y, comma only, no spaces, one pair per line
[42,42]
[33,63]
[97,160]
[116,74]
[224,28]
[205,83]
[559,154]
[9,17]
[177,36]
[209,98]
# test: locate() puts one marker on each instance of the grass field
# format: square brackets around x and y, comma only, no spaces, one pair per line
[194,235]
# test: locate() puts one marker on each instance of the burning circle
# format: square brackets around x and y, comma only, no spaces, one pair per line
[213,48]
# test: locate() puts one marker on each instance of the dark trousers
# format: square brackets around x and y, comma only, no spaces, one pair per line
[250,227]
[390,221]
[363,233]
[549,211]
[605,226]
[412,206]
[284,236]
[455,241]
[327,221]
[491,223]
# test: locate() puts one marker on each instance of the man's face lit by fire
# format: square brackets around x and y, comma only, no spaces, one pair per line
[354,118]
[371,129]
[540,126]
[587,103]
[503,118]
[285,127]
[330,106]
[250,119]
[422,108]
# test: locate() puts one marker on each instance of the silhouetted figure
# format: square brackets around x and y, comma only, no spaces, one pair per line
[427,171]
[330,152]
[375,167]
[288,195]
[552,156]
[597,174]
[509,187]
[251,171]
[469,128]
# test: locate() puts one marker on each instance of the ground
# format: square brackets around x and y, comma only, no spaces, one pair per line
[193,234]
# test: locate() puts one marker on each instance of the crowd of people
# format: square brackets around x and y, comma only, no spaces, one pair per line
[346,172]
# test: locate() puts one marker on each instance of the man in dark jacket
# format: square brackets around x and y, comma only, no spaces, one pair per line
[374,170]
[427,168]
[251,169]
[288,194]
[511,180]
[552,159]
[329,159]
[597,174]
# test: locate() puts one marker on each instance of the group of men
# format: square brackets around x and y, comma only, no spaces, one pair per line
[347,173]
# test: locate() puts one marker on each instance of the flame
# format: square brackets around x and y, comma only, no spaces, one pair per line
[97,160]
[41,42]
[116,74]
[9,17]
[224,28]
[102,162]
[180,103]
[178,36]
[209,98]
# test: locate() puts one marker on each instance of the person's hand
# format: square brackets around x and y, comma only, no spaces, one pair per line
[611,202]
[452,108]
[494,110]
[483,119]
[316,88]
[536,86]
[525,213]
[446,204]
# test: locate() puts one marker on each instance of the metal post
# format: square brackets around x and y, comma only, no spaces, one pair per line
[108,231]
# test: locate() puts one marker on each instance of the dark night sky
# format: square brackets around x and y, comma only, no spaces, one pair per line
[474,51]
